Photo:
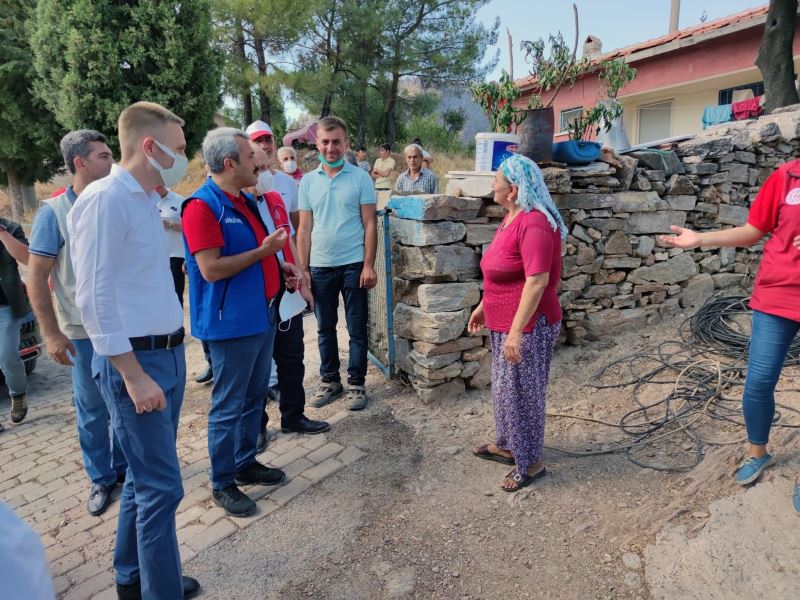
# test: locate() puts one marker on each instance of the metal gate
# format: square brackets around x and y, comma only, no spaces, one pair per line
[380,329]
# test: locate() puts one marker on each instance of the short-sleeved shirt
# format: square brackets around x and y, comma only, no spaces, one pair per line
[169,207]
[46,238]
[337,235]
[202,232]
[383,164]
[526,247]
[776,210]
[426,183]
[286,186]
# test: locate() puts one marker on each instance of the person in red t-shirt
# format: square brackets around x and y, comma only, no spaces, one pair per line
[520,307]
[775,301]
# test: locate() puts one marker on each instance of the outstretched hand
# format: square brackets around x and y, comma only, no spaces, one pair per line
[685,238]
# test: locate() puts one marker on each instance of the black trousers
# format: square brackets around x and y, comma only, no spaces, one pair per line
[176,266]
[289,353]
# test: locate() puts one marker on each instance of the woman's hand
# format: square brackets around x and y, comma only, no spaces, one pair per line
[477,320]
[796,242]
[511,347]
[686,238]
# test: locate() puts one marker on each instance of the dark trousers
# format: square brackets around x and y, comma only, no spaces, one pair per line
[326,285]
[289,354]
[176,266]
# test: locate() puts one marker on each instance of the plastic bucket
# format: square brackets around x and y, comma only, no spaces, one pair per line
[491,149]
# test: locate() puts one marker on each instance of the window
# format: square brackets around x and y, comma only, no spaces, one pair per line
[727,95]
[568,116]
[655,121]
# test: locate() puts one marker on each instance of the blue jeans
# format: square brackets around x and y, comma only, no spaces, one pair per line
[10,363]
[769,343]
[102,456]
[241,382]
[326,285]
[147,546]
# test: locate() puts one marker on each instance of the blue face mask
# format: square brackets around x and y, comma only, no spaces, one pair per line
[332,165]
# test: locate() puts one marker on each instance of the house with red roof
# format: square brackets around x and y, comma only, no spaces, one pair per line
[679,75]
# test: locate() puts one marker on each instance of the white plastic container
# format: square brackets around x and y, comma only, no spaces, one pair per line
[491,149]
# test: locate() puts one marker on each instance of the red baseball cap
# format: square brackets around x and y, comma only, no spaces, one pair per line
[258,129]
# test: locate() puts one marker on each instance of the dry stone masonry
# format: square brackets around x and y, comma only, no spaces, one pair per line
[616,275]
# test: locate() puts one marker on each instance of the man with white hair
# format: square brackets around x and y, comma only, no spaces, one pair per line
[287,158]
[416,179]
[261,134]
[88,157]
[235,281]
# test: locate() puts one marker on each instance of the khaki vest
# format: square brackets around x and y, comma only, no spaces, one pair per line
[63,276]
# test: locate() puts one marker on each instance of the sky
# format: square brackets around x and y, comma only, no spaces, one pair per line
[617,23]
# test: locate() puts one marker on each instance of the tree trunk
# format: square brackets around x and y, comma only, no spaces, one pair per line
[15,192]
[247,98]
[362,116]
[391,110]
[775,55]
[264,103]
[326,106]
[29,198]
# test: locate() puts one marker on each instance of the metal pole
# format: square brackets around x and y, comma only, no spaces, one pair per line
[674,15]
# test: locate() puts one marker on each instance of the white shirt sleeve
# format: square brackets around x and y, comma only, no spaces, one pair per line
[98,227]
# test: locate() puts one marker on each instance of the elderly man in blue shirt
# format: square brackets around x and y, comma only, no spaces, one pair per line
[337,240]
[416,179]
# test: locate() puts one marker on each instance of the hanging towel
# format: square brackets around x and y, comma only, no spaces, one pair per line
[747,109]
[713,115]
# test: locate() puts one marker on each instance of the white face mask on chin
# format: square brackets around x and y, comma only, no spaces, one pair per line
[289,166]
[264,183]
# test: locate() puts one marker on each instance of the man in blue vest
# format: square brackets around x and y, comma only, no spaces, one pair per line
[235,279]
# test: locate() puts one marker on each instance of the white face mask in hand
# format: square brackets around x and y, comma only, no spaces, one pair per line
[292,304]
[289,166]
[264,183]
[173,175]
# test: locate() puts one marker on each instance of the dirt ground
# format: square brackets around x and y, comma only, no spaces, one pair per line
[420,517]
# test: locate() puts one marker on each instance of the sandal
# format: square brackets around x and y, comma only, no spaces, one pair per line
[486,454]
[522,480]
[327,393]
[356,397]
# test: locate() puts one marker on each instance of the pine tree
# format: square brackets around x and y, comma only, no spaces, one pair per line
[29,134]
[95,57]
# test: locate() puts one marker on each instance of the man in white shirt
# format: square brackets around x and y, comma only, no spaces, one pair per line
[127,302]
[261,135]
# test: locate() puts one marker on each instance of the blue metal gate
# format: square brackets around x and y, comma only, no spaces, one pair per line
[380,328]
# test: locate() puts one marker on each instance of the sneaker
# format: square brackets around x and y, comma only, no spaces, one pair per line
[19,407]
[796,497]
[751,469]
[327,393]
[258,474]
[235,502]
[356,397]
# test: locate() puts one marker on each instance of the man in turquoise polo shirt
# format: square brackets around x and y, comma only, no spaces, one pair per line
[337,239]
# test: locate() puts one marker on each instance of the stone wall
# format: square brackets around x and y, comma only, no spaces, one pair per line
[616,275]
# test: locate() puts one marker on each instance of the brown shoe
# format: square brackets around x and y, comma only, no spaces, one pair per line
[19,407]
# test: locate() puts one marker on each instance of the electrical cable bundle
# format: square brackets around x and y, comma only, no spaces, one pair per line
[696,384]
